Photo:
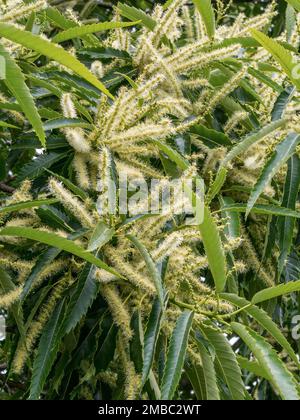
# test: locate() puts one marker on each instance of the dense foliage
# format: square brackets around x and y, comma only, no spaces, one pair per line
[138,306]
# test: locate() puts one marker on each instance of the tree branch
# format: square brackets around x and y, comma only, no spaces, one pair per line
[6,188]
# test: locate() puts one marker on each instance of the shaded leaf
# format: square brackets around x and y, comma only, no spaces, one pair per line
[176,355]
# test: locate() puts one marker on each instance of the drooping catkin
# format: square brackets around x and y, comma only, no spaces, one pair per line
[81,169]
[35,328]
[9,298]
[132,380]
[118,310]
[71,203]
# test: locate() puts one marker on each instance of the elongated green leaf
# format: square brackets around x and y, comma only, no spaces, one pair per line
[207,12]
[210,137]
[262,209]
[264,320]
[259,75]
[273,292]
[46,353]
[15,82]
[6,125]
[43,260]
[217,185]
[72,187]
[233,227]
[281,103]
[57,242]
[226,362]
[209,374]
[248,141]
[26,205]
[280,377]
[153,271]
[290,21]
[195,376]
[137,356]
[176,355]
[134,14]
[101,235]
[58,19]
[82,298]
[282,153]
[51,50]
[79,31]
[286,225]
[295,4]
[54,218]
[150,339]
[106,350]
[280,54]
[214,250]
[176,157]
[37,166]
[252,367]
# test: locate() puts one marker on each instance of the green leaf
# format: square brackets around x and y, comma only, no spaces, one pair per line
[214,250]
[282,153]
[106,350]
[137,356]
[176,355]
[52,51]
[176,157]
[72,187]
[252,367]
[26,205]
[37,166]
[101,235]
[281,103]
[226,362]
[82,298]
[207,12]
[280,54]
[153,271]
[282,380]
[233,226]
[210,137]
[209,374]
[134,14]
[263,319]
[6,125]
[262,209]
[43,260]
[46,353]
[15,82]
[151,337]
[295,4]
[57,242]
[250,140]
[259,75]
[273,292]
[59,20]
[290,21]
[286,225]
[195,376]
[79,31]
[217,185]
[54,218]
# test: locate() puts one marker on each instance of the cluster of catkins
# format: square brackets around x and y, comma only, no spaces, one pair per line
[171,93]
